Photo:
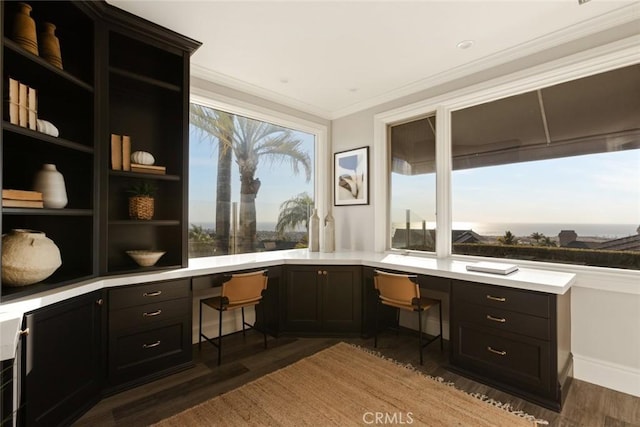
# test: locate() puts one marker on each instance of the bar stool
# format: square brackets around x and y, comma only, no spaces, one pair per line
[402,292]
[238,291]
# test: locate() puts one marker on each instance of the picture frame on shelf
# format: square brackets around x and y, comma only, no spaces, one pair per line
[351,177]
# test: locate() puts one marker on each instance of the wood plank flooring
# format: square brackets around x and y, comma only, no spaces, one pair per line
[244,359]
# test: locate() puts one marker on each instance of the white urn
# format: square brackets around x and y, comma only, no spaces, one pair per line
[28,256]
[51,184]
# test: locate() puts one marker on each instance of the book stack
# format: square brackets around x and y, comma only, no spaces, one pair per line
[23,105]
[120,152]
[157,170]
[21,199]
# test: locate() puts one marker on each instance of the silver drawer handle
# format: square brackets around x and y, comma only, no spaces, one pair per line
[499,299]
[155,344]
[496,319]
[152,313]
[498,352]
[152,294]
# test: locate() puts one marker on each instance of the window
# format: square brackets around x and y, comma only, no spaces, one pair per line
[412,185]
[251,185]
[551,175]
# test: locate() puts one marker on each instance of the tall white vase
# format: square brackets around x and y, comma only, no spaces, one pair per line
[314,232]
[50,183]
[329,233]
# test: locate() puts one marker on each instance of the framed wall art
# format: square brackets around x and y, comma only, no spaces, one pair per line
[351,177]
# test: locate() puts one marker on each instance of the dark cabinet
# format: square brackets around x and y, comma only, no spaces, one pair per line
[322,299]
[66,98]
[62,361]
[147,100]
[120,75]
[149,331]
[517,340]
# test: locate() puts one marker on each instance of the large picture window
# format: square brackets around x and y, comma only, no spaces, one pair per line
[251,184]
[553,174]
[413,185]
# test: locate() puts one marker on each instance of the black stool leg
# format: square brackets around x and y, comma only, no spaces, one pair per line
[200,328]
[375,330]
[243,333]
[220,338]
[264,325]
[441,337]
[420,333]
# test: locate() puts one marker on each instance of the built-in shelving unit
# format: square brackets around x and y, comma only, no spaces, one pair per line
[120,75]
[67,98]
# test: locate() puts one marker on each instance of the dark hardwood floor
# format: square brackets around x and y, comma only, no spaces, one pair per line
[244,360]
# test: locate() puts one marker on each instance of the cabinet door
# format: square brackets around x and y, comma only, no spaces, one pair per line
[301,299]
[62,366]
[341,294]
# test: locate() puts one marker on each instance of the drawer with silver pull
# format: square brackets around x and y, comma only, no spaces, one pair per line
[148,293]
[504,320]
[151,344]
[518,300]
[506,357]
[148,314]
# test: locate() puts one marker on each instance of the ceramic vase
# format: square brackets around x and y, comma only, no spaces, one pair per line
[24,29]
[314,232]
[50,45]
[50,183]
[28,257]
[329,233]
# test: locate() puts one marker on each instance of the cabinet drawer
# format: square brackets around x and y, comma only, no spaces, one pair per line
[512,359]
[504,320]
[518,300]
[142,315]
[148,293]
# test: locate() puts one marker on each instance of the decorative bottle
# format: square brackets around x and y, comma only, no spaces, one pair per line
[24,29]
[50,45]
[314,232]
[50,183]
[329,233]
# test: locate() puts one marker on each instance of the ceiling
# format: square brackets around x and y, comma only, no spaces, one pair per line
[333,58]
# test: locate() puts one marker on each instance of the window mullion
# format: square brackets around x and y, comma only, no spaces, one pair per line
[443,182]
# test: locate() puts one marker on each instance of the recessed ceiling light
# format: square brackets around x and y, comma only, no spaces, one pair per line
[353,89]
[465,44]
[284,80]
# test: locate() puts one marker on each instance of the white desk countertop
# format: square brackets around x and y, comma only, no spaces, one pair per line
[11,313]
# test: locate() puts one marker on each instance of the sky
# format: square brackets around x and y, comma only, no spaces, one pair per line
[598,188]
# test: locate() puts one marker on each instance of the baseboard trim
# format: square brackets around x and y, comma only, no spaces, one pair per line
[606,374]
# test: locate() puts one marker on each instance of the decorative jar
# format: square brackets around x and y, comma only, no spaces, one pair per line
[24,29]
[50,45]
[314,231]
[50,183]
[28,256]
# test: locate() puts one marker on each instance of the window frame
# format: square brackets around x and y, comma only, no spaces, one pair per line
[594,61]
[321,184]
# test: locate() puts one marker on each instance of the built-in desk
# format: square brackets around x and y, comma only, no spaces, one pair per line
[469,336]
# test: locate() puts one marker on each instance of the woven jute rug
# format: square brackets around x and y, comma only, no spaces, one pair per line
[345,385]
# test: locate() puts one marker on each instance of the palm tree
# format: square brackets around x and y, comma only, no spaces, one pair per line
[198,234]
[218,126]
[294,212]
[537,236]
[546,241]
[253,140]
[507,239]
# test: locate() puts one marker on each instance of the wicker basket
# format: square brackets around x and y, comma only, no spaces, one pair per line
[141,207]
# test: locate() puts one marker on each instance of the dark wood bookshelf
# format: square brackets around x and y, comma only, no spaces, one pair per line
[19,130]
[151,222]
[144,79]
[141,175]
[45,211]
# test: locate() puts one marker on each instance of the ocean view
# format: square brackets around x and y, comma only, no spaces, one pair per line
[611,231]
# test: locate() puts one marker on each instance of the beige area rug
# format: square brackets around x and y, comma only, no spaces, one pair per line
[345,385]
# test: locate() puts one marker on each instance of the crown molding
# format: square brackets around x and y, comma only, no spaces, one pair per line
[591,26]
